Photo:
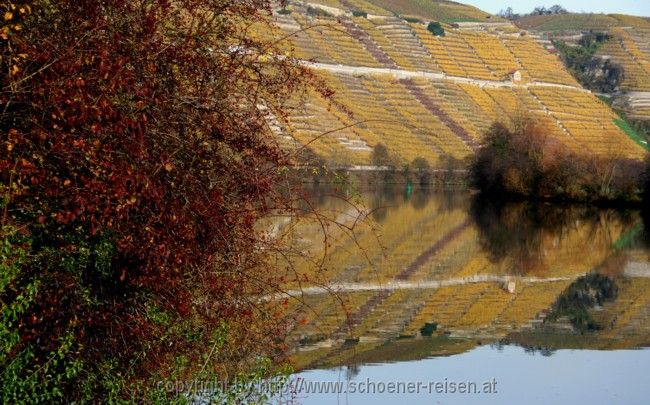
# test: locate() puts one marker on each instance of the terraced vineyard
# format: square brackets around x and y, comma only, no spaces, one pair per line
[568,22]
[629,46]
[431,96]
[443,10]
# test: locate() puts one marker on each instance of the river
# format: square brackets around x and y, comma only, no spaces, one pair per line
[439,296]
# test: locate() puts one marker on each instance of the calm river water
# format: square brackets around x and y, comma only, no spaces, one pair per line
[442,297]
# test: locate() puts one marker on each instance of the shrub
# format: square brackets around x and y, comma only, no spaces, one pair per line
[138,164]
[525,161]
[422,170]
[359,13]
[380,156]
[412,20]
[317,12]
[284,11]
[436,29]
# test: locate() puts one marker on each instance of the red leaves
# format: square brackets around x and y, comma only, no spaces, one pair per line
[124,127]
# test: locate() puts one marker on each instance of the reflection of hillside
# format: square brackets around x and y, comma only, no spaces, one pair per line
[625,323]
[435,240]
[543,239]
[482,314]
[437,266]
[622,322]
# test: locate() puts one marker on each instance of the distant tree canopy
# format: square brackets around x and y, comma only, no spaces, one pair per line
[436,29]
[381,156]
[509,13]
[420,164]
[593,72]
[556,9]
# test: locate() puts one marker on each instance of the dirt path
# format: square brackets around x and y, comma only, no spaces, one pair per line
[409,74]
[435,109]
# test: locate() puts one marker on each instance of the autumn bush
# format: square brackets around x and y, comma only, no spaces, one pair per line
[524,161]
[136,163]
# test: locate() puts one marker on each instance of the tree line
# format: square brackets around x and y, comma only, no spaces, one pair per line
[522,160]
[508,12]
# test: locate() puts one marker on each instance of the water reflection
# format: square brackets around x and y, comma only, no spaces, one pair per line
[478,273]
[531,376]
[522,231]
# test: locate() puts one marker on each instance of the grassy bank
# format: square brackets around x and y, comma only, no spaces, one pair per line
[632,133]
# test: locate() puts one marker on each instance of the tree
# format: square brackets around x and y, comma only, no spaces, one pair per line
[557,9]
[508,14]
[422,169]
[381,156]
[436,29]
[540,10]
[136,164]
[525,161]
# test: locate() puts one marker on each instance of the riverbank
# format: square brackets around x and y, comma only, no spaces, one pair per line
[374,175]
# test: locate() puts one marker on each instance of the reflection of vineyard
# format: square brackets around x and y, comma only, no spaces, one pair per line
[479,298]
[627,320]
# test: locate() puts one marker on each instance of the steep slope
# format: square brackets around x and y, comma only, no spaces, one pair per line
[568,22]
[446,11]
[629,47]
[437,10]
[580,22]
[433,96]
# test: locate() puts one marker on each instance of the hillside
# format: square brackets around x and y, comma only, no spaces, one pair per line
[432,96]
[579,22]
[568,22]
[438,10]
[629,47]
